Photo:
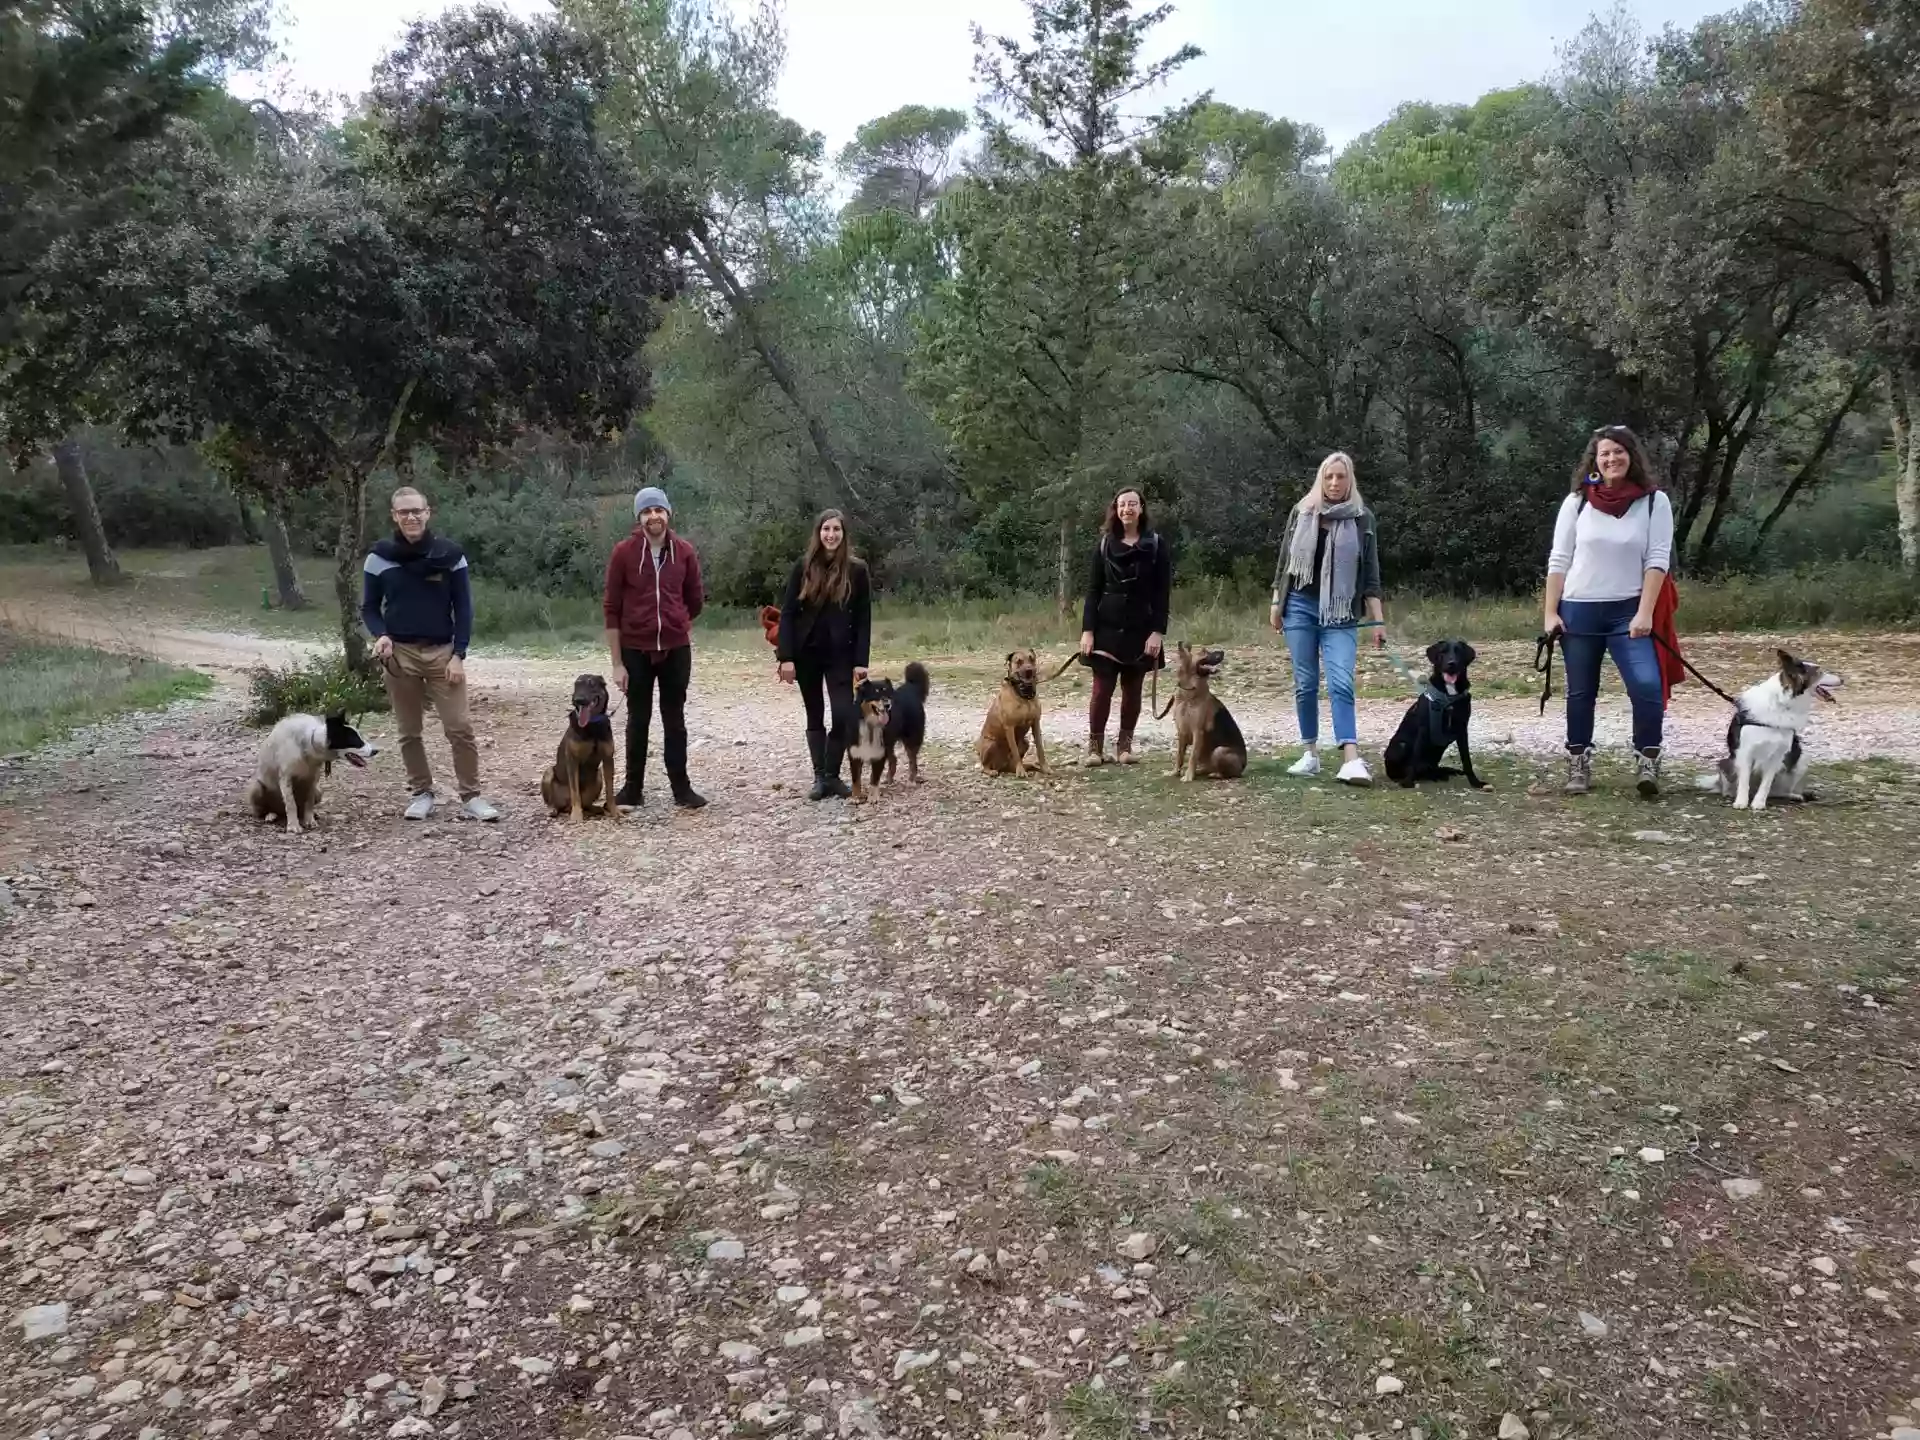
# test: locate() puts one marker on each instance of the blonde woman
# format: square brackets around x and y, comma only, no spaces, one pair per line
[1329,569]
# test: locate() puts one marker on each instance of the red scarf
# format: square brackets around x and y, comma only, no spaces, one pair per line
[1615,500]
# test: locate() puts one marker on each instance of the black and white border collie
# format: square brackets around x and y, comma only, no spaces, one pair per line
[295,755]
[1764,747]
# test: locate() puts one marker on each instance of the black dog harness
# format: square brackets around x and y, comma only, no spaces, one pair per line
[1439,702]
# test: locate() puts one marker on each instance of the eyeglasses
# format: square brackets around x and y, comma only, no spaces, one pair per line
[411,510]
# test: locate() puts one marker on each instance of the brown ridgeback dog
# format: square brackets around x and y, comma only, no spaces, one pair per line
[1014,714]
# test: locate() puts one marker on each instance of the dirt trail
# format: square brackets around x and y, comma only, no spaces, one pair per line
[1087,1108]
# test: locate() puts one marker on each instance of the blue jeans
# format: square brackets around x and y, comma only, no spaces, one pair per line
[1599,627]
[1312,644]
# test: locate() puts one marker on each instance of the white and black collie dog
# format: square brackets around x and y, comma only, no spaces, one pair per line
[295,755]
[1764,749]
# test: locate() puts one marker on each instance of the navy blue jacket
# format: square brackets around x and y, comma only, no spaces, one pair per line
[418,594]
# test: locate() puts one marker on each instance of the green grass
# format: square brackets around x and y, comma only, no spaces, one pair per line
[229,588]
[48,690]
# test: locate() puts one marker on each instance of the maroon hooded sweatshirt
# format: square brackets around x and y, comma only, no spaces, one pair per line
[653,606]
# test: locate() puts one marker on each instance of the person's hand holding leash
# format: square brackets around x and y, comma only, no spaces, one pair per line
[859,674]
[785,671]
[1086,642]
[1379,637]
[1641,625]
[1552,622]
[383,647]
[1155,643]
[619,678]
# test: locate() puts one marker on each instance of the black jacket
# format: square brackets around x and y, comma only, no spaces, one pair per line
[1129,589]
[834,634]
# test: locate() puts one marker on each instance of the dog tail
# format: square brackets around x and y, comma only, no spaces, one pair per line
[918,679]
[1227,764]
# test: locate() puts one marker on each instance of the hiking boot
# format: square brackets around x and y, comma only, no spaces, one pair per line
[478,807]
[1096,752]
[1307,766]
[421,806]
[1123,750]
[684,795]
[1646,773]
[631,795]
[1579,772]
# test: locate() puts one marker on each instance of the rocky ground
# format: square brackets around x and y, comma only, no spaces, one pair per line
[1098,1106]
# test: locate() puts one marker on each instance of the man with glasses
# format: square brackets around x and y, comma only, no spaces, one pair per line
[417,603]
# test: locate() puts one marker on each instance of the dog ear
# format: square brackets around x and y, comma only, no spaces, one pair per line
[1787,662]
[339,717]
[1435,650]
[1472,654]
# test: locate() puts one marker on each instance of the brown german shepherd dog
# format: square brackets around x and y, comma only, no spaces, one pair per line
[582,771]
[1208,742]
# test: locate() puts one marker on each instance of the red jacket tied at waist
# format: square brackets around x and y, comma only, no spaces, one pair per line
[653,606]
[1671,673]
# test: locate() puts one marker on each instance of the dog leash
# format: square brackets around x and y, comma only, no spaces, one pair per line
[1544,645]
[1153,699]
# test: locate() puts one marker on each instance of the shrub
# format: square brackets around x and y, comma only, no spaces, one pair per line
[314,687]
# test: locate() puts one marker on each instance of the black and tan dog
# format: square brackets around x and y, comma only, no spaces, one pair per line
[1014,715]
[1207,739]
[582,773]
[1436,721]
[892,717]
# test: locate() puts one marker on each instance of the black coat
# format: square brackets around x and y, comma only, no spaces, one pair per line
[1129,589]
[834,634]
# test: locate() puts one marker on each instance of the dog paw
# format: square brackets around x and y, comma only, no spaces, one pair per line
[1483,785]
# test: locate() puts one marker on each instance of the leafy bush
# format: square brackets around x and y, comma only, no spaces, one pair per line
[315,687]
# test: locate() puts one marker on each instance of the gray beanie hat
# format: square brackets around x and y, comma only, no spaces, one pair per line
[651,498]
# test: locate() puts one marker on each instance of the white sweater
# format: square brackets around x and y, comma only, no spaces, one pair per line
[1608,559]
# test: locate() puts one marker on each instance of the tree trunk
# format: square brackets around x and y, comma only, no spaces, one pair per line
[1063,594]
[285,578]
[1906,459]
[349,549]
[72,466]
[1810,467]
[748,314]
[249,529]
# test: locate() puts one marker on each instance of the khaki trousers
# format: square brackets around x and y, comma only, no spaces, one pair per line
[415,675]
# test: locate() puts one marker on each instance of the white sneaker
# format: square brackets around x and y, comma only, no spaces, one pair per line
[1307,764]
[480,808]
[1355,772]
[421,806]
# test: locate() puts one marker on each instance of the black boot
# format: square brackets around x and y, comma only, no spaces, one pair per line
[817,748]
[684,795]
[836,752]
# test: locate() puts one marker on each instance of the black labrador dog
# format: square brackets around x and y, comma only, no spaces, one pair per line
[1435,721]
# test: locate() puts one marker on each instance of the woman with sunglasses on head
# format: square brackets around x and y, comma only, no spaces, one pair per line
[825,630]
[1609,593]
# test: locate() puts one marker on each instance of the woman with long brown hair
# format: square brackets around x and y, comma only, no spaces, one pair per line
[1123,624]
[825,630]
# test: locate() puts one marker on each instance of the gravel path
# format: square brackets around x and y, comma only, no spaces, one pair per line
[519,1130]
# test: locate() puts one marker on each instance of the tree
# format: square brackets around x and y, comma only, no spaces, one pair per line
[82,85]
[693,104]
[901,160]
[482,265]
[1027,357]
[1835,188]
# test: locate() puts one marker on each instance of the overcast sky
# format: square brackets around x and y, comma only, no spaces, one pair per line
[1342,66]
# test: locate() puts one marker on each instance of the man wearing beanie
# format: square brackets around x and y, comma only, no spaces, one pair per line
[653,597]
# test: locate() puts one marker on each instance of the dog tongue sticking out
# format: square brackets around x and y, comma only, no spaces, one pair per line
[356,760]
[583,716]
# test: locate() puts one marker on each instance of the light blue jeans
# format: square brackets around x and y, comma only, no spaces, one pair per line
[1314,646]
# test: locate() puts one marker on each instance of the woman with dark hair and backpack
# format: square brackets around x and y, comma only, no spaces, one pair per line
[825,629]
[1609,593]
[1123,625]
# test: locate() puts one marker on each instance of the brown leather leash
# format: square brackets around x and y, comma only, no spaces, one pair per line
[1153,700]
